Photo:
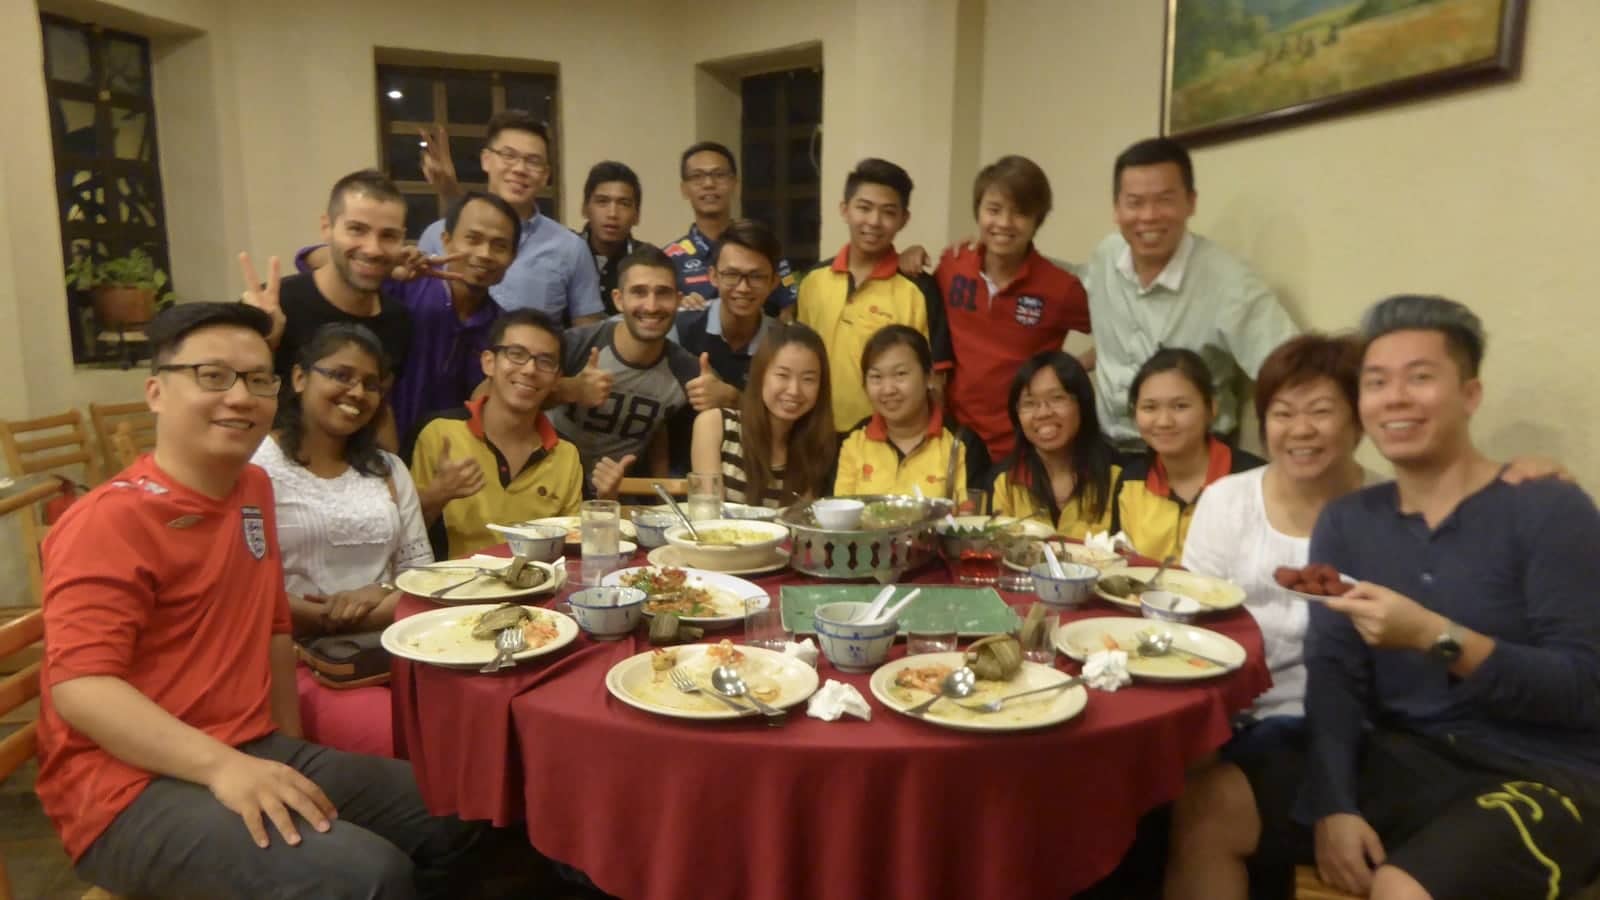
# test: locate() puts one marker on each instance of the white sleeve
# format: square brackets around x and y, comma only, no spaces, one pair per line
[412,549]
[1206,551]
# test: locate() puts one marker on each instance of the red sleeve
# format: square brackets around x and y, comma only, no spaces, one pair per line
[262,496]
[99,588]
[1077,305]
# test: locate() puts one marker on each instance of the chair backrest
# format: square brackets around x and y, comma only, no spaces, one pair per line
[49,444]
[123,430]
[645,487]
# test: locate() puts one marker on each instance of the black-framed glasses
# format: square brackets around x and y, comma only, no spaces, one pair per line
[511,157]
[731,278]
[710,176]
[518,355]
[217,378]
[348,378]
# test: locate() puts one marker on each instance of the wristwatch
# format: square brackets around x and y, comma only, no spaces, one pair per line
[1447,646]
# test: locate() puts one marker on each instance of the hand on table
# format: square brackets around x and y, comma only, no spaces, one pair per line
[1348,852]
[254,787]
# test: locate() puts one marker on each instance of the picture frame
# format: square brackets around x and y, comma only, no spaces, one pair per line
[1234,68]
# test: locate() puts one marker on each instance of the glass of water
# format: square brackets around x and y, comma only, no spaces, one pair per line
[705,496]
[602,537]
[930,625]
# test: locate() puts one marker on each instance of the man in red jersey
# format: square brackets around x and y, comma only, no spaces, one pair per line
[169,736]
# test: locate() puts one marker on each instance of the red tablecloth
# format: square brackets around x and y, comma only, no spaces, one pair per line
[654,807]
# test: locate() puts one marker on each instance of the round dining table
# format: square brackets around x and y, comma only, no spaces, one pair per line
[650,806]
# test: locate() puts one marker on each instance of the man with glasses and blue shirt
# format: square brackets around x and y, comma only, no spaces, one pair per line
[553,271]
[727,333]
[710,181]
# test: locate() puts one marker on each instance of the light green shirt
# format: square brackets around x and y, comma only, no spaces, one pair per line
[1205,299]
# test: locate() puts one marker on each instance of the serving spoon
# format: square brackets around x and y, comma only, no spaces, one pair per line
[729,684]
[1153,644]
[958,684]
[661,491]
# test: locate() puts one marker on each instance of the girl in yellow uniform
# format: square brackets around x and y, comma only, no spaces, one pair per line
[1061,470]
[904,446]
[1173,406]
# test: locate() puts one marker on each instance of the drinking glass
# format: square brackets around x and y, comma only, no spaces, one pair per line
[931,625]
[763,623]
[976,504]
[1039,646]
[705,496]
[602,536]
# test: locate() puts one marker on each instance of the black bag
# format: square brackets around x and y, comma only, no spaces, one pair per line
[347,660]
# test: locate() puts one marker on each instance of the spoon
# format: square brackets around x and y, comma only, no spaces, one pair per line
[729,684]
[1152,644]
[1055,564]
[894,610]
[958,684]
[876,606]
[1171,557]
[662,493]
[995,704]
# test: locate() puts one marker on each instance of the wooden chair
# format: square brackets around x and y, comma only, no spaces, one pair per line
[56,445]
[645,487]
[124,431]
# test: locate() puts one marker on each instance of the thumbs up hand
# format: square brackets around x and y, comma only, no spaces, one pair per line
[607,476]
[456,478]
[708,391]
[594,383]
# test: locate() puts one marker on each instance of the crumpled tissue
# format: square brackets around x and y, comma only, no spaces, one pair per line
[836,698]
[1107,670]
[1106,542]
[805,651]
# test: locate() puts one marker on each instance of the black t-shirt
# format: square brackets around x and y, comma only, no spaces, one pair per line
[305,310]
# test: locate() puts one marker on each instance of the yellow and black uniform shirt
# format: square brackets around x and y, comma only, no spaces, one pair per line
[847,315]
[1156,519]
[550,483]
[870,463]
[1011,497]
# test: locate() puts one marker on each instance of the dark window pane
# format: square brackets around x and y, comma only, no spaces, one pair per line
[131,134]
[760,169]
[75,124]
[531,94]
[467,100]
[415,100]
[801,172]
[403,155]
[422,210]
[805,97]
[466,152]
[66,54]
[125,68]
[760,106]
[759,210]
[805,225]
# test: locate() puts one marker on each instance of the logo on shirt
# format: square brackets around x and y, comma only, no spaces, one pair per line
[255,531]
[693,265]
[1029,311]
[866,470]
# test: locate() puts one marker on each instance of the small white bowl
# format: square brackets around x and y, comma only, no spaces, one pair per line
[608,613]
[541,543]
[652,525]
[1073,588]
[727,557]
[1168,607]
[850,646]
[838,513]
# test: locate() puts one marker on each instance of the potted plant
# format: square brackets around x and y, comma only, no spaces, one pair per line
[126,290]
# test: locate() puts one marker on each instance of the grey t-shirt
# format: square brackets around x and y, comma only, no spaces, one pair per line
[642,398]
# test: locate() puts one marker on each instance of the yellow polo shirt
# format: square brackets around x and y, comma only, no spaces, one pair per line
[549,484]
[1155,519]
[847,315]
[1014,499]
[870,463]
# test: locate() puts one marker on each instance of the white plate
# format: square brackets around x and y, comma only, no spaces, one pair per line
[1320,598]
[1213,594]
[424,580]
[635,682]
[668,555]
[1079,639]
[443,637]
[727,591]
[1020,715]
[574,525]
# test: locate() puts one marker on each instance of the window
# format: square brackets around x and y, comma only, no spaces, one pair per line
[412,98]
[108,175]
[781,130]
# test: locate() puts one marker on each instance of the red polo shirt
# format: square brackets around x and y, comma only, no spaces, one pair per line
[989,338]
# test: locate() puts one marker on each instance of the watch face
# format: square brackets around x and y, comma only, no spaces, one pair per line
[1447,648]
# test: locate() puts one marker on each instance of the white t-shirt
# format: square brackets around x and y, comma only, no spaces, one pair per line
[1231,538]
[338,534]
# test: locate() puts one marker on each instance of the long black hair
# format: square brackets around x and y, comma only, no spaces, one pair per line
[360,449]
[1092,457]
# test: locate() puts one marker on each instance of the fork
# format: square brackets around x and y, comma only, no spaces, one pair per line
[509,642]
[995,704]
[685,684]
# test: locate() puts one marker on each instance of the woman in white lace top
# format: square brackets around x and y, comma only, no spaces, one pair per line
[348,519]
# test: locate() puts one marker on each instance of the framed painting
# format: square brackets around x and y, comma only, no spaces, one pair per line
[1235,67]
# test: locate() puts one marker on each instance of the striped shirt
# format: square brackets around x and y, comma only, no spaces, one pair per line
[733,475]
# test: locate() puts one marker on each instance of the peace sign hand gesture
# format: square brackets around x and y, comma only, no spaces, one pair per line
[437,166]
[264,296]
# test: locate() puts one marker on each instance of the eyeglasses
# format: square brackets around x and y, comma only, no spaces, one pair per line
[216,378]
[1059,405]
[731,278]
[518,355]
[511,158]
[350,379]
[712,176]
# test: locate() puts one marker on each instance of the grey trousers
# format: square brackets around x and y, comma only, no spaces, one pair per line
[175,840]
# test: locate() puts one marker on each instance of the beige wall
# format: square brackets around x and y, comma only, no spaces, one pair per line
[1476,195]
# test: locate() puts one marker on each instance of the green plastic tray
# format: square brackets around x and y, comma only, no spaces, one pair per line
[980,611]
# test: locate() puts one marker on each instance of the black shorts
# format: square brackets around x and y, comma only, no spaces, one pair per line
[1461,825]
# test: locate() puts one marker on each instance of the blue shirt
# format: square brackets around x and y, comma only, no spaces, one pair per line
[1517,563]
[691,254]
[700,331]
[553,271]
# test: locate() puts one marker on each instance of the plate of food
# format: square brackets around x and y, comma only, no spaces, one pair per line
[474,586]
[574,527]
[462,637]
[1315,582]
[1195,654]
[1028,552]
[644,681]
[911,680]
[696,596]
[1122,587]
